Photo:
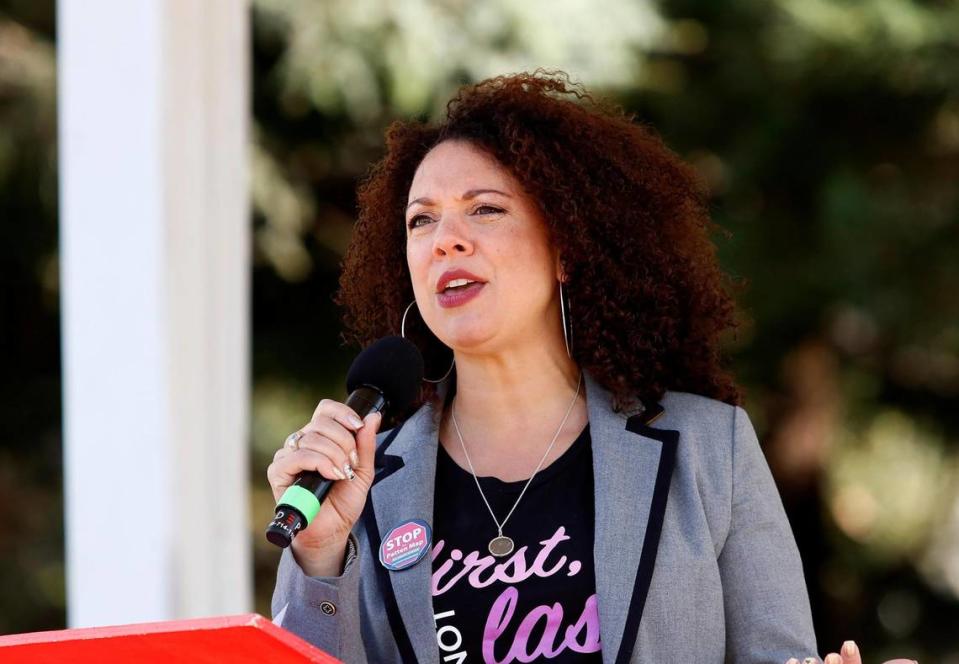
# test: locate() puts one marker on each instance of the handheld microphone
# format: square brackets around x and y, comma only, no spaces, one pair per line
[384,376]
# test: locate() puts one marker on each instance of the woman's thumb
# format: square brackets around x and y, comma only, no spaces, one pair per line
[366,438]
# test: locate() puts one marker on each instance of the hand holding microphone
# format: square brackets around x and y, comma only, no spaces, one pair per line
[325,449]
[385,376]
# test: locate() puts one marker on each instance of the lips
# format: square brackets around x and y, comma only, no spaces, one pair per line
[458,296]
[454,275]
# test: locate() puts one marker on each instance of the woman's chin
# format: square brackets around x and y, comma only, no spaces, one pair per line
[466,338]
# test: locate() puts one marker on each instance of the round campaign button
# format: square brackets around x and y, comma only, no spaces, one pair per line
[405,545]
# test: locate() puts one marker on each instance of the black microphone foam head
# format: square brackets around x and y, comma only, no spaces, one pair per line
[392,365]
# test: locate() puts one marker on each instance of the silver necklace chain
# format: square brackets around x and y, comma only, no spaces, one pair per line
[499,526]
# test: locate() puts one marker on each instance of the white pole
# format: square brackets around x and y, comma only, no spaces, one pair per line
[154,250]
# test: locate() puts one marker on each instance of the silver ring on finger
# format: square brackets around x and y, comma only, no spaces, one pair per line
[293,440]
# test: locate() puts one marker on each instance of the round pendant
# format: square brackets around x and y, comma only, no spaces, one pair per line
[501,546]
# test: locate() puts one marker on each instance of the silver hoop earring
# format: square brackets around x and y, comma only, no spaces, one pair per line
[562,309]
[403,334]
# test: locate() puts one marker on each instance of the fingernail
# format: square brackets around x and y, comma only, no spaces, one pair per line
[849,648]
[355,460]
[355,421]
[339,473]
[833,658]
[792,660]
[349,471]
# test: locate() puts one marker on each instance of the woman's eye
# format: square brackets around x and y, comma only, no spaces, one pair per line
[493,210]
[413,224]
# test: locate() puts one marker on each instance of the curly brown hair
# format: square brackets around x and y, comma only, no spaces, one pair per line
[648,300]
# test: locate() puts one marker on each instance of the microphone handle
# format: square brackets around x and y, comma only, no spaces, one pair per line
[301,501]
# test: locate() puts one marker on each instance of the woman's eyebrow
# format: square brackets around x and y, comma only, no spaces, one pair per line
[472,193]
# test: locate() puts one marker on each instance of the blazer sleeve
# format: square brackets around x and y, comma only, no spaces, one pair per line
[323,610]
[767,612]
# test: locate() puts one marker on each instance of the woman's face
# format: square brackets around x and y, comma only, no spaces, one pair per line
[455,221]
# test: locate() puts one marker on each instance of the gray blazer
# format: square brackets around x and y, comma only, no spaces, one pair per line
[695,561]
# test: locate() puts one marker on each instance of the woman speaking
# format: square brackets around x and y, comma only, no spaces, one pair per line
[577,481]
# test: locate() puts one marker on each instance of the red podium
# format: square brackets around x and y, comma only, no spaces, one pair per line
[248,638]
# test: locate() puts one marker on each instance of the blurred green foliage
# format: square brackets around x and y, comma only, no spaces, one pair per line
[828,133]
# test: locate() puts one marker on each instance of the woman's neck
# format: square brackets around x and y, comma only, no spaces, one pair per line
[509,408]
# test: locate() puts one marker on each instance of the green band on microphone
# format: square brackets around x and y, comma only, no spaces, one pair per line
[301,499]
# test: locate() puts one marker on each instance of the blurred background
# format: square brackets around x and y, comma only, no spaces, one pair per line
[828,133]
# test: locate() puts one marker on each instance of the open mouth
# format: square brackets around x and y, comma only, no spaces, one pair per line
[457,293]
[459,285]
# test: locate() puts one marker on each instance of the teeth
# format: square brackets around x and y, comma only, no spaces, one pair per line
[459,282]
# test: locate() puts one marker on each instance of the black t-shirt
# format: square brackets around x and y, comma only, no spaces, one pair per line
[537,603]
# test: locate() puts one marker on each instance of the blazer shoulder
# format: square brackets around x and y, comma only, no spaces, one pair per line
[708,429]
[691,409]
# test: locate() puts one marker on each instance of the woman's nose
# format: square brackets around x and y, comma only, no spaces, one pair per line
[451,237]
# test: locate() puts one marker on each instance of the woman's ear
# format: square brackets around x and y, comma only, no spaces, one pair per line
[560,271]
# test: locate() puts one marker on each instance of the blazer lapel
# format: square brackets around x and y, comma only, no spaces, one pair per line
[632,467]
[403,490]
